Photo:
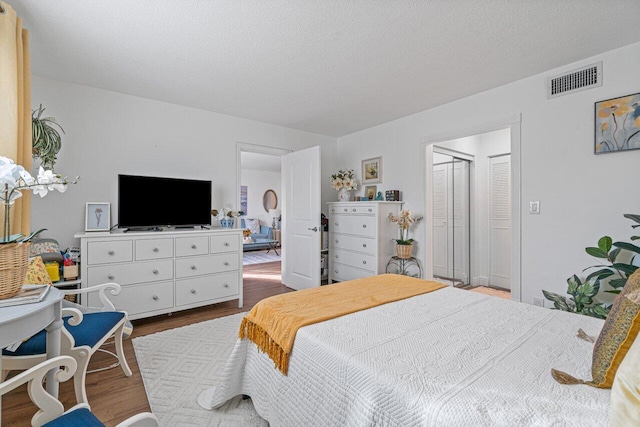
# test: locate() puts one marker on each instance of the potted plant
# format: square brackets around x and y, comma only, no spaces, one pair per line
[46,140]
[14,248]
[404,244]
[344,181]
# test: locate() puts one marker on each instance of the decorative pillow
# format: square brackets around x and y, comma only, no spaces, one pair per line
[625,392]
[253,225]
[617,334]
[37,273]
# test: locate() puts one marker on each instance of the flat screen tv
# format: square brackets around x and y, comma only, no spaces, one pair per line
[151,202]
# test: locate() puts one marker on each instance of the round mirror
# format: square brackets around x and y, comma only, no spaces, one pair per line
[269,200]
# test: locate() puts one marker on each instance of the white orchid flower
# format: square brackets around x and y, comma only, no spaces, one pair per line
[337,184]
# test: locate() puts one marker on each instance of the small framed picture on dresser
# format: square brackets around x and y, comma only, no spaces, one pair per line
[98,216]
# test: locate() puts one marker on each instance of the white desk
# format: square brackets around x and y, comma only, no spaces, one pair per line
[22,321]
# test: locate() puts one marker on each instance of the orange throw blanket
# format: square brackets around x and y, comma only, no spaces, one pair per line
[272,324]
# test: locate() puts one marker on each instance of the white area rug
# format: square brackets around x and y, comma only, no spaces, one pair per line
[259,257]
[177,364]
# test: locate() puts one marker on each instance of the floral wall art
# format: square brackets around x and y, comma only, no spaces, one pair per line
[617,123]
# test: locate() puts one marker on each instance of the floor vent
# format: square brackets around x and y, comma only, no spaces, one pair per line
[583,78]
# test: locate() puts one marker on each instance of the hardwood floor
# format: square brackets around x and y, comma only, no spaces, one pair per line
[114,397]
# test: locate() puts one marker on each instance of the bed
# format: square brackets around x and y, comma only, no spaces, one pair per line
[449,357]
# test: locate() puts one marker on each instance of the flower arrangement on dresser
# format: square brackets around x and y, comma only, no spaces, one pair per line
[14,248]
[226,217]
[344,181]
[404,220]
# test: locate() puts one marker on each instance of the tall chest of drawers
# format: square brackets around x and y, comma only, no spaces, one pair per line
[360,238]
[162,272]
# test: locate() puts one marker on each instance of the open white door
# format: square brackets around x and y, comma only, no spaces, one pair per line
[301,219]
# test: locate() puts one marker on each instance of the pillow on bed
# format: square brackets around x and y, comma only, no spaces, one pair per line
[617,334]
[625,392]
[253,225]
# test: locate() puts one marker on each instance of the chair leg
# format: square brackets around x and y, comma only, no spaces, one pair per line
[120,351]
[82,356]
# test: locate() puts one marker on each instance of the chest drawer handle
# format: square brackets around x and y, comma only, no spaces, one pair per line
[226,243]
[370,210]
[333,210]
[155,298]
[364,262]
[156,250]
[336,241]
[335,271]
[335,223]
[193,291]
[111,277]
[364,245]
[354,209]
[345,209]
[364,225]
[155,271]
[193,267]
[193,246]
[226,285]
[111,252]
[226,263]
[336,256]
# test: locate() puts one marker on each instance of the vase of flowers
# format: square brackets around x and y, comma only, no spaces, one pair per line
[344,181]
[404,244]
[226,217]
[14,248]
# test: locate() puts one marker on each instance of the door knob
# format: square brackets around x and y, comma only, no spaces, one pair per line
[314,229]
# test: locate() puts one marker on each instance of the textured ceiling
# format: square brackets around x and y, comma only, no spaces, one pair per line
[331,67]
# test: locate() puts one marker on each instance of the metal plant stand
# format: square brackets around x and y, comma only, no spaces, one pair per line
[407,266]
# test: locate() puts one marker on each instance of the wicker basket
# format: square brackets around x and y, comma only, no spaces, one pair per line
[14,260]
[404,251]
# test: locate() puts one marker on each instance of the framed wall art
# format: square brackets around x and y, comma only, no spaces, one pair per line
[617,124]
[372,170]
[370,192]
[98,216]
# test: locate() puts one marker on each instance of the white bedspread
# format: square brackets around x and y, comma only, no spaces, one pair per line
[447,358]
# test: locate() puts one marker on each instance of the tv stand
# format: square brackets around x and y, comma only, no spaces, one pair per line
[164,272]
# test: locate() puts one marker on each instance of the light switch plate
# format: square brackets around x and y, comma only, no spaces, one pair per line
[534,207]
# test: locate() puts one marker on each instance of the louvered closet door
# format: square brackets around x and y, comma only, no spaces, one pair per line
[440,220]
[500,222]
[459,221]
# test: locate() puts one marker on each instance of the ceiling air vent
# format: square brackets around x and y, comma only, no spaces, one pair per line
[574,81]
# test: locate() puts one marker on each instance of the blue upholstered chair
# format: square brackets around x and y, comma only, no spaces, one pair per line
[51,413]
[82,335]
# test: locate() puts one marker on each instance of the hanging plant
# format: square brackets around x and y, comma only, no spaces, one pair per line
[46,140]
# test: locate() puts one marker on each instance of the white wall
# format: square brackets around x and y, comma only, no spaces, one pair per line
[108,133]
[583,196]
[257,183]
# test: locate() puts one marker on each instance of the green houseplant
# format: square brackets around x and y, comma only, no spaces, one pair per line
[46,140]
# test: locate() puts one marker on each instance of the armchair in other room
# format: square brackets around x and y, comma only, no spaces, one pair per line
[82,335]
[51,412]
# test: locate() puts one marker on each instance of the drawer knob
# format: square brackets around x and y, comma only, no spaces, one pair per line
[364,225]
[364,262]
[345,209]
[336,240]
[226,263]
[335,271]
[333,210]
[155,297]
[354,209]
[156,250]
[111,252]
[335,223]
[364,245]
[226,285]
[226,243]
[155,271]
[111,276]
[193,291]
[193,246]
[370,210]
[193,267]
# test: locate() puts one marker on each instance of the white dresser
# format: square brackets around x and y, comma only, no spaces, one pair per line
[360,238]
[166,271]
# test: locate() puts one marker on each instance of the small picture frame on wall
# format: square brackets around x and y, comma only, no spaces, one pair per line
[372,170]
[370,192]
[98,216]
[617,124]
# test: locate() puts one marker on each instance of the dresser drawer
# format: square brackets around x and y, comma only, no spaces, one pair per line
[108,252]
[139,299]
[154,249]
[353,243]
[355,259]
[199,266]
[189,246]
[365,209]
[360,225]
[341,272]
[205,288]
[131,273]
[224,243]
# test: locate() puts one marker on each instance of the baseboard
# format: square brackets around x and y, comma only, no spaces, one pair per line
[480,281]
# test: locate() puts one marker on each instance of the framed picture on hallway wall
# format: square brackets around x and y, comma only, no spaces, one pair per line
[617,124]
[243,199]
[372,170]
